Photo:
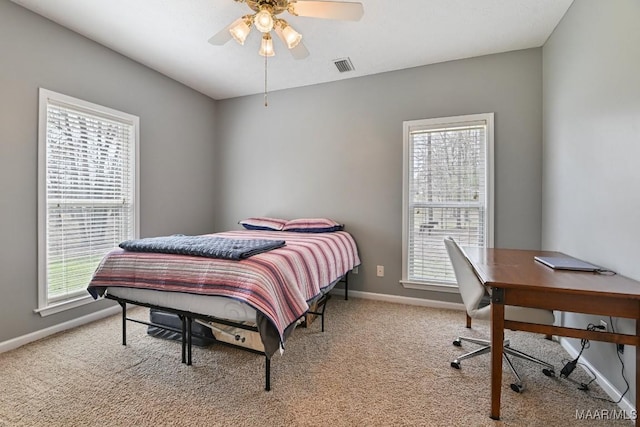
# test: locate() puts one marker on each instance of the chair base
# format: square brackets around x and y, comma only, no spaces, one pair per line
[485,347]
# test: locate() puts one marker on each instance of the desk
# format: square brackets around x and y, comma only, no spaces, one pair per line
[516,279]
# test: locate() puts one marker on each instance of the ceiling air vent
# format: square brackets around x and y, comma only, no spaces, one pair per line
[343,65]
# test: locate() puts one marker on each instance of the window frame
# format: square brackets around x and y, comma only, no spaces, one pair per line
[47,97]
[433,123]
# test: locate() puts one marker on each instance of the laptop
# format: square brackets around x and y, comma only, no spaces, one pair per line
[566,263]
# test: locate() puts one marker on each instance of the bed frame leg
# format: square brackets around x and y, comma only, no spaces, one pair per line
[267,373]
[184,339]
[346,287]
[124,322]
[324,308]
[188,320]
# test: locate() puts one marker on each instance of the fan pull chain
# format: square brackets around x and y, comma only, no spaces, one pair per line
[266,104]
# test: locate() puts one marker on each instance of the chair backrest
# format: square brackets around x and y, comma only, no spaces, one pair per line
[471,289]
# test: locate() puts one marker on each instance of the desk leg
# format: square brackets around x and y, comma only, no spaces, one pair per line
[637,367]
[497,343]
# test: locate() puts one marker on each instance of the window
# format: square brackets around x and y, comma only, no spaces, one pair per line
[448,186]
[87,195]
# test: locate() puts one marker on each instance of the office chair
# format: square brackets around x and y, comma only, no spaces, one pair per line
[473,292]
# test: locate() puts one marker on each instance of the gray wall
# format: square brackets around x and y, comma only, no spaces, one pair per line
[176,148]
[591,200]
[335,150]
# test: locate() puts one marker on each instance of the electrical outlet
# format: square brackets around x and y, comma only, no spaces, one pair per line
[380,271]
[604,325]
[620,348]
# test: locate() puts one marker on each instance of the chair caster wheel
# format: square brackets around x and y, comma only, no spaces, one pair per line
[517,388]
[455,364]
[549,372]
[457,343]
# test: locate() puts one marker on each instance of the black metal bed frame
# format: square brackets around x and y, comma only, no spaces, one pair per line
[186,319]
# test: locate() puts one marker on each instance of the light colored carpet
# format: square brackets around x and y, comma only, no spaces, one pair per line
[377,364]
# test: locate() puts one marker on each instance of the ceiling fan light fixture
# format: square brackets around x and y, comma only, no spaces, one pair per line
[263,20]
[266,47]
[240,31]
[291,36]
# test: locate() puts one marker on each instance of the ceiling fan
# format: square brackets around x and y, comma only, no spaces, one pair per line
[265,19]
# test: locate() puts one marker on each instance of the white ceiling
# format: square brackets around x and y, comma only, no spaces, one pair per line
[171,36]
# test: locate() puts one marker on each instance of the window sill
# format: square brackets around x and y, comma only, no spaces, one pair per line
[435,287]
[64,305]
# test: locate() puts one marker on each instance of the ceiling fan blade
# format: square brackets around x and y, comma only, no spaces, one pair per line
[327,9]
[223,36]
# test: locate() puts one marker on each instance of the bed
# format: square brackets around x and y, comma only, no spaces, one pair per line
[268,293]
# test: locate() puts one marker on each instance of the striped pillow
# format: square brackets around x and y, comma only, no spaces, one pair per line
[312,225]
[263,223]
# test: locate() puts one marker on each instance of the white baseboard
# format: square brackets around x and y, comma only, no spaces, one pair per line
[34,336]
[401,300]
[613,393]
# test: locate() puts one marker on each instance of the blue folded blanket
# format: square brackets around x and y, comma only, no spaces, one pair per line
[205,246]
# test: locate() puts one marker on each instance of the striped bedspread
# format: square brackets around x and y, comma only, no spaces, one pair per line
[277,283]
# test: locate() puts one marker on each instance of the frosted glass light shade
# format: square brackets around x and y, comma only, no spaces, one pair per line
[291,36]
[263,21]
[266,47]
[240,31]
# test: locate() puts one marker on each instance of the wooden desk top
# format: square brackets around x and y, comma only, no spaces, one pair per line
[514,268]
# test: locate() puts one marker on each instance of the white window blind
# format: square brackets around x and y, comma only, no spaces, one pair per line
[446,193]
[88,191]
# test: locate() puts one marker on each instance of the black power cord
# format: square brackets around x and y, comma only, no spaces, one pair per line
[568,368]
[619,353]
[571,365]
